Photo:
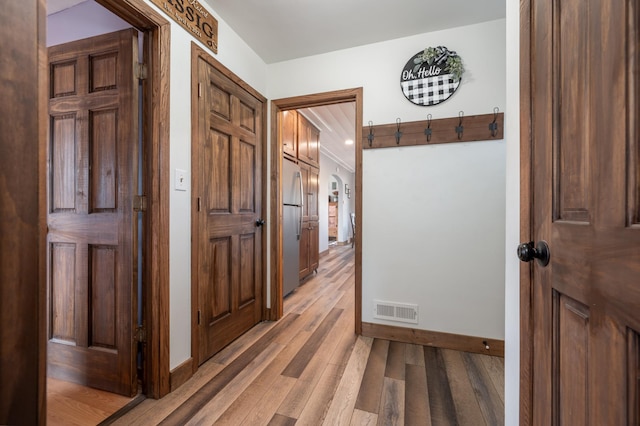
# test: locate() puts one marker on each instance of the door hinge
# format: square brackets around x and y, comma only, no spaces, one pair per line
[140,334]
[141,71]
[199,90]
[140,203]
[198,316]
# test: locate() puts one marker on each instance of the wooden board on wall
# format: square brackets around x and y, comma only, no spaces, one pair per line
[194,18]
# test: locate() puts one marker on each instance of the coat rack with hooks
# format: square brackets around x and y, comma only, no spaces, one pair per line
[463,128]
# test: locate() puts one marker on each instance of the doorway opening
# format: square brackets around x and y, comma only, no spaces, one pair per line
[352,98]
[149,280]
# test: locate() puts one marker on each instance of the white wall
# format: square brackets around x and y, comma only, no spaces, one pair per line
[433,217]
[84,20]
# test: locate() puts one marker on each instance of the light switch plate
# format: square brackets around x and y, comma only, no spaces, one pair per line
[182,180]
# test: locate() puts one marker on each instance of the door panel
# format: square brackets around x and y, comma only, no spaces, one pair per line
[586,302]
[227,186]
[93,157]
[305,237]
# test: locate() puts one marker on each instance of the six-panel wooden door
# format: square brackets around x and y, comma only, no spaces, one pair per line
[227,231]
[586,206]
[92,180]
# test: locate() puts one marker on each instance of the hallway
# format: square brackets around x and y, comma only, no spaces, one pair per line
[310,368]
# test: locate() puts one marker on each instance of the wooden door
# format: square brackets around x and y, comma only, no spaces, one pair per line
[585,202]
[227,174]
[92,181]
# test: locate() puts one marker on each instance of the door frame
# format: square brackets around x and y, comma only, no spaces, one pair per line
[526,196]
[22,214]
[190,366]
[156,177]
[319,99]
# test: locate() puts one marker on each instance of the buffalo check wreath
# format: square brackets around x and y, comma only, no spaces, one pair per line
[431,76]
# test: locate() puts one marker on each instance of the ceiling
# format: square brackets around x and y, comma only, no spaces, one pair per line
[280,30]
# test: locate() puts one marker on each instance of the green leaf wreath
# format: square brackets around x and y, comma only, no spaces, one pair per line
[441,56]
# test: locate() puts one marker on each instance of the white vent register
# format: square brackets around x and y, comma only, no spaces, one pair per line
[402,312]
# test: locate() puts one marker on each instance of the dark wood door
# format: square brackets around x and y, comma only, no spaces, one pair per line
[586,205]
[227,187]
[92,180]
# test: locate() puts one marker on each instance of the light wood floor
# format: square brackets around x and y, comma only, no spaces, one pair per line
[310,368]
[69,404]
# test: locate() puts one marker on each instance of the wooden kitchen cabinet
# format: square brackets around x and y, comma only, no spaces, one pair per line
[310,176]
[314,246]
[301,143]
[300,138]
[309,250]
[308,142]
[289,133]
[309,239]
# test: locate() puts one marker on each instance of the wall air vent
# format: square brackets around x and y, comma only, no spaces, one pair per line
[392,311]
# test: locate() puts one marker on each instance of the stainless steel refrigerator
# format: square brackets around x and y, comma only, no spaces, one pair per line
[292,201]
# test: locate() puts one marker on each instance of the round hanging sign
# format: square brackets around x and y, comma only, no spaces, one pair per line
[431,76]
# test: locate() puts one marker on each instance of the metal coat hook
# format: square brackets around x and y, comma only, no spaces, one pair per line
[493,126]
[398,132]
[427,131]
[370,136]
[460,127]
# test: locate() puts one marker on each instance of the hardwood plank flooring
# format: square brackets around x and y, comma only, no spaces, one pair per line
[310,369]
[72,404]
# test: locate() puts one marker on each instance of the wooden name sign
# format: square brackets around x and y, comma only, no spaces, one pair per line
[193,17]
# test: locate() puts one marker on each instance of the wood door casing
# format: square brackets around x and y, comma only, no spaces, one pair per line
[156,171]
[23,120]
[277,107]
[582,96]
[227,188]
[92,180]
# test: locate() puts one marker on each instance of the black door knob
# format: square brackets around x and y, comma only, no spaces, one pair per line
[527,252]
[259,222]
